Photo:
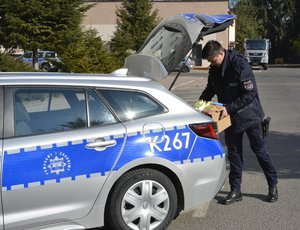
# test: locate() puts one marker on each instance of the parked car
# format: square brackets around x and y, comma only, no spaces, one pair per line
[185,65]
[80,151]
[47,60]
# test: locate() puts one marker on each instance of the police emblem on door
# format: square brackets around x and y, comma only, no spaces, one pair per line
[56,163]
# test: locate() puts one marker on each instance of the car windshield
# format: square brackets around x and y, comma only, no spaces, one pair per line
[256,44]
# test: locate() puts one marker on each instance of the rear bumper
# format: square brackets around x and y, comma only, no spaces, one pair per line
[203,180]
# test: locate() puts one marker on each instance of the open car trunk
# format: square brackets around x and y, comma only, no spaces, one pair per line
[171,40]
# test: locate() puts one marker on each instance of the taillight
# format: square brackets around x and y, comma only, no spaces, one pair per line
[205,130]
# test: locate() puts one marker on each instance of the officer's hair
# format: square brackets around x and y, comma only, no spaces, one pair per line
[211,49]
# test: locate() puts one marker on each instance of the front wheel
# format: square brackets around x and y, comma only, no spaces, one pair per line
[265,66]
[142,199]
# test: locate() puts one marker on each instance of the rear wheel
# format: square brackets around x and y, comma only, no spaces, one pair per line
[46,67]
[142,199]
[185,69]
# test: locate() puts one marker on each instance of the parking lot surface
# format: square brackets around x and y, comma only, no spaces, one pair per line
[279,93]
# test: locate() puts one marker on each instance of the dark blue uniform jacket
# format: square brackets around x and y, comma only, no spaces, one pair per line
[235,86]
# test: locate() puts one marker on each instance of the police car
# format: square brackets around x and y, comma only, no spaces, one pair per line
[47,60]
[80,151]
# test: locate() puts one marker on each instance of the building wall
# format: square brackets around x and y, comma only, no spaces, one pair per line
[102,17]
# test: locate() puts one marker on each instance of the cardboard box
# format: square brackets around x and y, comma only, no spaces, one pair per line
[221,124]
[213,109]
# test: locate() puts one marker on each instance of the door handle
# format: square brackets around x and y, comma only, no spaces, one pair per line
[100,144]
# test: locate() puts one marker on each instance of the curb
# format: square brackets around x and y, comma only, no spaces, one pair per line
[284,66]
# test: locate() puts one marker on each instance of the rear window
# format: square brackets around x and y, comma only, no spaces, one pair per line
[50,55]
[131,105]
[27,55]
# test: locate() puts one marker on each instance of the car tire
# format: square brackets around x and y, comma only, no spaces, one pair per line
[185,69]
[46,67]
[142,199]
[265,66]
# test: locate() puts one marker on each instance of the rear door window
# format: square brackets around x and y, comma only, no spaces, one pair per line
[99,114]
[131,105]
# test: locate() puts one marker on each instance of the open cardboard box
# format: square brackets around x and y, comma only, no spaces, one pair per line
[213,109]
[221,124]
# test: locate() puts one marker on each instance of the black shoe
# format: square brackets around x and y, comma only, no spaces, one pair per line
[233,196]
[273,194]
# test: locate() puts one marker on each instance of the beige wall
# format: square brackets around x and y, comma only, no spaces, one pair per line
[102,16]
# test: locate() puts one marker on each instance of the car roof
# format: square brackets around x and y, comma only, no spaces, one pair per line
[106,80]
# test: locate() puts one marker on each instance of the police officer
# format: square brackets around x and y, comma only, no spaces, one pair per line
[232,80]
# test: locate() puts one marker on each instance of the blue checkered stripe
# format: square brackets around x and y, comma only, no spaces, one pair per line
[70,161]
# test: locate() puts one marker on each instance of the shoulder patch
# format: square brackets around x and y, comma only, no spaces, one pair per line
[248,85]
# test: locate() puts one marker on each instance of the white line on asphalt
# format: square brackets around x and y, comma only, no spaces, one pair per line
[183,84]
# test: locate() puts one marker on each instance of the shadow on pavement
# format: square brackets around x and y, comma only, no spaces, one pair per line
[284,149]
[220,196]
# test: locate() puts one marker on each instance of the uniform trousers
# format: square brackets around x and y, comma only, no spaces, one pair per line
[234,142]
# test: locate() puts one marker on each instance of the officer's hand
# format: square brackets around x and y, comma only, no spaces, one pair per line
[224,113]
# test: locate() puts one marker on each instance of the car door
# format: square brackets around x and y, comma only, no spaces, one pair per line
[57,154]
[1,152]
[41,57]
[27,57]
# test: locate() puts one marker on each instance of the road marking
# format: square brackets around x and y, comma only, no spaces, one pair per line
[183,84]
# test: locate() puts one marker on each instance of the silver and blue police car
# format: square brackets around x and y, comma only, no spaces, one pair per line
[79,151]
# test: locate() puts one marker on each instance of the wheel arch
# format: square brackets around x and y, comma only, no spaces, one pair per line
[185,69]
[173,177]
[163,169]
[168,168]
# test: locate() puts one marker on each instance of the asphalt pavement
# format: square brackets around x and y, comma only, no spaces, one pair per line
[279,90]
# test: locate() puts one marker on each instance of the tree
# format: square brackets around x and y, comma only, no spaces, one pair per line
[36,24]
[295,34]
[10,64]
[88,54]
[246,23]
[296,25]
[135,20]
[276,17]
[272,19]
